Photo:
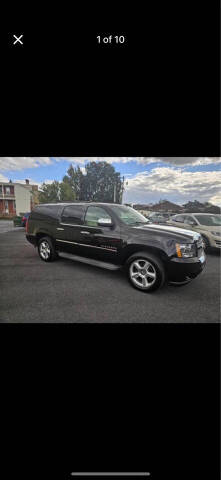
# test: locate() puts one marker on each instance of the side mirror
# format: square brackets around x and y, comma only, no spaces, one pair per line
[191,222]
[105,222]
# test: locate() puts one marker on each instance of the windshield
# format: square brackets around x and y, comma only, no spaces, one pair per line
[209,220]
[128,215]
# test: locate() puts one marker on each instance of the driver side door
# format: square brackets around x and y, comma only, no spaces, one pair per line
[100,242]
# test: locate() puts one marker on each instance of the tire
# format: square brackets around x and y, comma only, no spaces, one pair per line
[145,272]
[206,242]
[46,250]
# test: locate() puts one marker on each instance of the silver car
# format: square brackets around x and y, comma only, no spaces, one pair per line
[207,224]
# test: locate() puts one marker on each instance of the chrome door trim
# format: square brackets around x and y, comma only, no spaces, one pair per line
[81,226]
[112,249]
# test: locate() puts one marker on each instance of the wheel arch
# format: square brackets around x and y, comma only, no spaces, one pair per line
[142,249]
[40,235]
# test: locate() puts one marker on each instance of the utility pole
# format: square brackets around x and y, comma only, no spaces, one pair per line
[122,192]
[115,192]
[3,201]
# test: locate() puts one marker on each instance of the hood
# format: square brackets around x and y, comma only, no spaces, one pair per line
[169,230]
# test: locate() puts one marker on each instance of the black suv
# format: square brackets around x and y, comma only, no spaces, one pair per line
[115,236]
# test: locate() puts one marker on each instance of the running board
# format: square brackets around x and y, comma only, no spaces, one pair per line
[89,261]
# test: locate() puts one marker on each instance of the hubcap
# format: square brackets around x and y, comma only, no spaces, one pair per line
[142,273]
[45,250]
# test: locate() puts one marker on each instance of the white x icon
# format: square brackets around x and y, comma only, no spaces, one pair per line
[18,39]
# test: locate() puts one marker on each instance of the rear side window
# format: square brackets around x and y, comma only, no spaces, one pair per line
[73,215]
[45,212]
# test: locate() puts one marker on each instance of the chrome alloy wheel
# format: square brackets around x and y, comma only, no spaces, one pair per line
[45,250]
[142,273]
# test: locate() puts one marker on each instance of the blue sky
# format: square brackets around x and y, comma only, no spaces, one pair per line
[149,179]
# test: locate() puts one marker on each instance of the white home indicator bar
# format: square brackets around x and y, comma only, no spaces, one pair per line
[110,474]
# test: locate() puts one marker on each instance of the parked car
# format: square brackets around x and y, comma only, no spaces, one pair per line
[24,219]
[166,216]
[157,218]
[116,236]
[17,221]
[207,224]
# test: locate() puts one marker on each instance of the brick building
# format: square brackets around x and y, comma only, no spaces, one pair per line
[16,198]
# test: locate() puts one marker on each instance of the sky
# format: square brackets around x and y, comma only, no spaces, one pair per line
[147,179]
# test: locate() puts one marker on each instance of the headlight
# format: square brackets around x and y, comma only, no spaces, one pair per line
[217,234]
[186,250]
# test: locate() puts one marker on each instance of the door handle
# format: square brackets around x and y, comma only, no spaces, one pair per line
[85,233]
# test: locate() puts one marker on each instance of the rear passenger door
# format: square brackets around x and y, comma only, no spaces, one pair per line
[68,231]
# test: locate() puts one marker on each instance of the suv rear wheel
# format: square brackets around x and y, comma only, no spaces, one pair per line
[46,250]
[146,272]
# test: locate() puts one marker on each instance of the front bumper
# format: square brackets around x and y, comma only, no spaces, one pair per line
[183,269]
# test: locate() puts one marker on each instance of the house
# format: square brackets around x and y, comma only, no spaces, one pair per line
[17,198]
[167,207]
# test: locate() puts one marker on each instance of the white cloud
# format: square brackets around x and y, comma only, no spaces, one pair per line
[3,178]
[191,161]
[83,160]
[176,161]
[175,185]
[19,163]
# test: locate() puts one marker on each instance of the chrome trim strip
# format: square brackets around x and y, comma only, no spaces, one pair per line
[65,241]
[87,245]
[81,226]
[70,224]
[60,229]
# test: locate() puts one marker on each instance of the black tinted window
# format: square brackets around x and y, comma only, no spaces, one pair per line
[73,215]
[45,211]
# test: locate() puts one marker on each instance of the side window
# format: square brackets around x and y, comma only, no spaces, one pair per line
[180,219]
[188,220]
[93,214]
[73,215]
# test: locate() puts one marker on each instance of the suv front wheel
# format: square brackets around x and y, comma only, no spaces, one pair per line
[46,250]
[146,272]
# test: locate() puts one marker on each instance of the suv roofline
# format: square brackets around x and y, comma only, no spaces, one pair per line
[79,203]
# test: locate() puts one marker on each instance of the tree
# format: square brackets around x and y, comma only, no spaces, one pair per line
[102,183]
[67,192]
[50,193]
[75,180]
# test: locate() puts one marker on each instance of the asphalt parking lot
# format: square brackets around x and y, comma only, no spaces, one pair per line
[67,291]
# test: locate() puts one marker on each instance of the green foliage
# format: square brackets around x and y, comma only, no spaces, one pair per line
[50,193]
[75,180]
[67,192]
[101,183]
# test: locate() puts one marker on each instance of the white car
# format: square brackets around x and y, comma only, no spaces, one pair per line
[207,224]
